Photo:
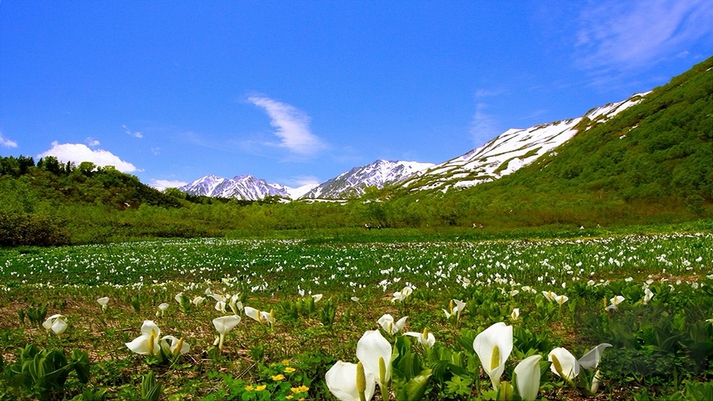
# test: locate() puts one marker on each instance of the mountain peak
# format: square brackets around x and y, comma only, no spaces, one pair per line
[354,182]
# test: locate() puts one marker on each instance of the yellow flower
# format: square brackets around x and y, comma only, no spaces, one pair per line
[289,369]
[300,389]
[289,397]
[278,377]
[261,387]
[286,362]
[249,388]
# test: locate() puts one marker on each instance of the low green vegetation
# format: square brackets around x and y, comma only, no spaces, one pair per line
[649,296]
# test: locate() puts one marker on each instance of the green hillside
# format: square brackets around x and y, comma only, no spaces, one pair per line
[653,162]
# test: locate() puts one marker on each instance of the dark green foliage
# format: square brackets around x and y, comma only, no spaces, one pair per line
[42,374]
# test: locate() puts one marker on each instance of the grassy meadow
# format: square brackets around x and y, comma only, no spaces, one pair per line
[662,342]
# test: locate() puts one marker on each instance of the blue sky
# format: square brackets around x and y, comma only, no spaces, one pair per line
[301,91]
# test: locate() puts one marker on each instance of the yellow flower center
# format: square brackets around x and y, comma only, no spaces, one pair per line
[495,358]
[558,366]
[360,378]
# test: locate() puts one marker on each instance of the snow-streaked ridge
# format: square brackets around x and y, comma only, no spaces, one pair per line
[510,151]
[377,174]
[345,185]
[244,187]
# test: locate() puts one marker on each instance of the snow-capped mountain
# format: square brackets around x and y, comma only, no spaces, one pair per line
[379,173]
[351,183]
[511,150]
[244,187]
[502,155]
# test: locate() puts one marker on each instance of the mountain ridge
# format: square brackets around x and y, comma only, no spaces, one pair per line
[502,155]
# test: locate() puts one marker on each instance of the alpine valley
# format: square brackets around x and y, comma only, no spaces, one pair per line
[502,155]
[645,160]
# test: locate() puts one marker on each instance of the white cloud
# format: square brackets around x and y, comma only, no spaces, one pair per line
[292,126]
[77,153]
[91,141]
[304,180]
[135,134]
[484,126]
[161,185]
[7,142]
[622,35]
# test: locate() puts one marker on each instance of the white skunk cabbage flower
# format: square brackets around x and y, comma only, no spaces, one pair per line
[103,301]
[148,342]
[374,352]
[527,377]
[348,381]
[57,323]
[387,323]
[493,347]
[223,325]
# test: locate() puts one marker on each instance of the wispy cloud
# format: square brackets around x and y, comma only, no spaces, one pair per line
[78,152]
[7,142]
[292,126]
[161,185]
[618,35]
[484,126]
[481,93]
[91,142]
[304,180]
[135,134]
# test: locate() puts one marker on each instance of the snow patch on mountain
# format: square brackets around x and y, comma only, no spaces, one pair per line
[377,174]
[510,151]
[244,187]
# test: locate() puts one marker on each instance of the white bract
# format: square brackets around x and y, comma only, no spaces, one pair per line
[344,380]
[57,323]
[162,309]
[564,364]
[590,361]
[403,294]
[615,301]
[426,339]
[174,346]
[515,314]
[260,316]
[493,347]
[374,352]
[147,342]
[527,377]
[387,323]
[456,307]
[561,299]
[223,325]
[103,301]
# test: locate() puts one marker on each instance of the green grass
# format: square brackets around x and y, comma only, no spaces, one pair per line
[492,276]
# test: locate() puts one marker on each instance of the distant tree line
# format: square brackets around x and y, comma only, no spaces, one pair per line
[652,163]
